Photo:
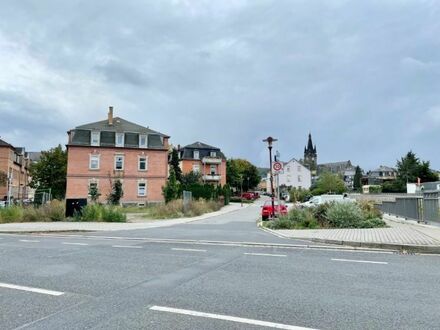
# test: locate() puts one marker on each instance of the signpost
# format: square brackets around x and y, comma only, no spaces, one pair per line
[278,168]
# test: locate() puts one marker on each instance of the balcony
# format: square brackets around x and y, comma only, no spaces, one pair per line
[211,177]
[211,160]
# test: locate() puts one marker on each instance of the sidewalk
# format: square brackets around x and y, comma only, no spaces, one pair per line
[26,227]
[400,236]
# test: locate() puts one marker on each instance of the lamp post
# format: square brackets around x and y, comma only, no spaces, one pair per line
[269,141]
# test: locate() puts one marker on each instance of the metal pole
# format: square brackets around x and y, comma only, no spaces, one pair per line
[271,183]
[9,187]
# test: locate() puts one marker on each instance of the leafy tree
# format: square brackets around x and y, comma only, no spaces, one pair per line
[116,194]
[171,189]
[357,181]
[50,172]
[190,178]
[329,183]
[94,193]
[175,164]
[241,171]
[3,179]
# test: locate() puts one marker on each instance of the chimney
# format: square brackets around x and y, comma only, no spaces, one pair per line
[110,115]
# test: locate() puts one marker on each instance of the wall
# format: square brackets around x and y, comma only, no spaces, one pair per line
[187,166]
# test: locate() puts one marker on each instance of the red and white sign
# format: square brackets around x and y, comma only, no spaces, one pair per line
[277,166]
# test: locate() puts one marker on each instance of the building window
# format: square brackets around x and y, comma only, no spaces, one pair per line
[142,189]
[119,163]
[94,162]
[95,139]
[299,168]
[196,154]
[93,184]
[119,139]
[288,168]
[299,178]
[213,169]
[213,154]
[143,141]
[143,163]
[196,168]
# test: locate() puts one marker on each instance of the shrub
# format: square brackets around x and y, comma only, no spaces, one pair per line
[112,214]
[320,214]
[55,210]
[302,218]
[282,223]
[370,210]
[344,215]
[175,209]
[98,212]
[11,214]
[92,212]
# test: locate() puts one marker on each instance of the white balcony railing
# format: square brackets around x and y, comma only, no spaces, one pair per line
[211,177]
[211,160]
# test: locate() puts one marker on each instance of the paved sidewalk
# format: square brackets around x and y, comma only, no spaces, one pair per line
[108,226]
[400,236]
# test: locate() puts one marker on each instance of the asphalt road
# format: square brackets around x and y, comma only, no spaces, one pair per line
[137,280]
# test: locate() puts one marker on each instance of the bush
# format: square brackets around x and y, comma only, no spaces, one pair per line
[353,215]
[54,211]
[112,214]
[370,210]
[320,214]
[175,209]
[91,212]
[296,219]
[299,195]
[98,212]
[11,214]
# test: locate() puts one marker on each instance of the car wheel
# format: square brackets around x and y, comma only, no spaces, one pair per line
[264,217]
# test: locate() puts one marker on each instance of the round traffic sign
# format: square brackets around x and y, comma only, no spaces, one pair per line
[277,166]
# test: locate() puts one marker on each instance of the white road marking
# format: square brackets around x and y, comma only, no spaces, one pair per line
[227,318]
[190,250]
[69,243]
[362,261]
[265,254]
[30,289]
[127,246]
[29,241]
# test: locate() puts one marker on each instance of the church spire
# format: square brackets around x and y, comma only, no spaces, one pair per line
[310,143]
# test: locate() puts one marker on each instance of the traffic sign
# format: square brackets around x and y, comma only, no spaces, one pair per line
[277,166]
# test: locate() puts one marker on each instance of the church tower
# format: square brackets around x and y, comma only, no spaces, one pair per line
[311,156]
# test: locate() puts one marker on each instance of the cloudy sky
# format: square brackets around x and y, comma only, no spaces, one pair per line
[362,76]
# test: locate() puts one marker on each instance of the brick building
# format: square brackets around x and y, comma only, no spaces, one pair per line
[14,162]
[100,153]
[207,160]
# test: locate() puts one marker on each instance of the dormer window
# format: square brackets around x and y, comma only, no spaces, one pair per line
[119,139]
[95,139]
[196,154]
[143,141]
[213,154]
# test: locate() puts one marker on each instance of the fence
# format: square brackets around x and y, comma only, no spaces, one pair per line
[422,208]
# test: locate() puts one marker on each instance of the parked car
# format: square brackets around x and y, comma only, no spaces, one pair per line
[248,196]
[266,209]
[322,199]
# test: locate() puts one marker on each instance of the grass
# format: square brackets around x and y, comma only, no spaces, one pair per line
[101,213]
[175,209]
[53,211]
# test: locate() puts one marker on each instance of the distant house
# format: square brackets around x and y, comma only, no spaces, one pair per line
[207,160]
[381,175]
[102,152]
[14,162]
[344,169]
[294,175]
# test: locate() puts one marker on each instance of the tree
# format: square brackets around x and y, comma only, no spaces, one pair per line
[329,183]
[94,193]
[357,181]
[3,179]
[116,194]
[190,178]
[175,164]
[171,189]
[241,171]
[50,172]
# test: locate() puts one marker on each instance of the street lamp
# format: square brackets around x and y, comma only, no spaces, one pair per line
[269,141]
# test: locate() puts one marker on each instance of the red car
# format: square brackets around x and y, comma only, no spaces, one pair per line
[248,196]
[266,210]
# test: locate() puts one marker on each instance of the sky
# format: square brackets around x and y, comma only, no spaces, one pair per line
[362,76]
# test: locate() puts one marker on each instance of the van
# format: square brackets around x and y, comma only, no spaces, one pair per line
[322,199]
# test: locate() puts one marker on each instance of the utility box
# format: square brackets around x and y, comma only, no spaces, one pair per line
[74,205]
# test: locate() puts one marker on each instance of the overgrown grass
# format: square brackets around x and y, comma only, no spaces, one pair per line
[100,213]
[53,211]
[331,215]
[175,209]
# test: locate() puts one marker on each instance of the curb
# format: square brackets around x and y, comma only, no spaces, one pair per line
[405,248]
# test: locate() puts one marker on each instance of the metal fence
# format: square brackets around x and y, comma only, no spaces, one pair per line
[422,208]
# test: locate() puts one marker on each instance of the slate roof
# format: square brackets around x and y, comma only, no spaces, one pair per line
[5,144]
[383,168]
[335,167]
[120,125]
[187,152]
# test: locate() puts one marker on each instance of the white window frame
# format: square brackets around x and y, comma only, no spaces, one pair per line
[98,158]
[123,162]
[92,181]
[142,182]
[213,154]
[196,152]
[299,178]
[196,168]
[143,145]
[211,172]
[117,136]
[299,168]
[146,163]
[95,138]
